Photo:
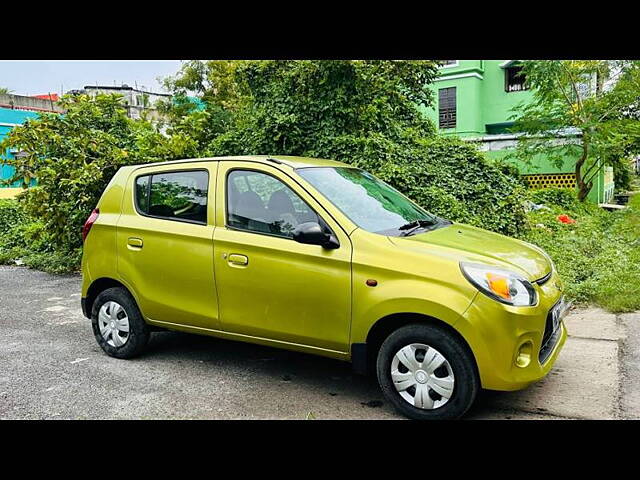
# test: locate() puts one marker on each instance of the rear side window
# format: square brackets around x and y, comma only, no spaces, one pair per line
[174,195]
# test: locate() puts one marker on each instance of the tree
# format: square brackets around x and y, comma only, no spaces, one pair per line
[213,81]
[312,107]
[215,85]
[582,111]
[4,91]
[74,155]
[365,113]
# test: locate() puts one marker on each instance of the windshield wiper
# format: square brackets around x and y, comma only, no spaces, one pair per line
[417,224]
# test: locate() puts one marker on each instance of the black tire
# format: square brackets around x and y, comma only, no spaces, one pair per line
[139,331]
[466,382]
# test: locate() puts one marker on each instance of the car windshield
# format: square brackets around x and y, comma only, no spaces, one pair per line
[368,202]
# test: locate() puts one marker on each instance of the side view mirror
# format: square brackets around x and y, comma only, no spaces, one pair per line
[312,233]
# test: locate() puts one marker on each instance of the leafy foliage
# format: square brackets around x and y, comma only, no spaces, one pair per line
[564,198]
[595,98]
[26,240]
[305,107]
[452,179]
[73,156]
[364,113]
[11,215]
[214,81]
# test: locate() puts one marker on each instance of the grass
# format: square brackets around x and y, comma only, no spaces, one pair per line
[598,257]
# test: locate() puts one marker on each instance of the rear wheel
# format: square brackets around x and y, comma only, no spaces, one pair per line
[118,325]
[427,373]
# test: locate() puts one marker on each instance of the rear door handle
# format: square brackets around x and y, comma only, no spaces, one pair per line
[134,243]
[238,259]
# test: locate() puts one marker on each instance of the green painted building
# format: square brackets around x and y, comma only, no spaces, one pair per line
[474,99]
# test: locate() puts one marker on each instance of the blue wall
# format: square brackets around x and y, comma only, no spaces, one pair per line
[8,115]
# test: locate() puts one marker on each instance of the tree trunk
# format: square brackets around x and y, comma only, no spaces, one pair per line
[583,188]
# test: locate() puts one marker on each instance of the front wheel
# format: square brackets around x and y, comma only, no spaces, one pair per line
[427,373]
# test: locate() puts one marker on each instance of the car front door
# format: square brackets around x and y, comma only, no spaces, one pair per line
[164,242]
[270,286]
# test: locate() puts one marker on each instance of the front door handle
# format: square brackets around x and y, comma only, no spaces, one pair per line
[134,243]
[237,259]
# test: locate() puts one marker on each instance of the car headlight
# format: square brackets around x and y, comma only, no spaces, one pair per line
[502,285]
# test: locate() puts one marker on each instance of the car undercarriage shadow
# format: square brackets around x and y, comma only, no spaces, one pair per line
[268,365]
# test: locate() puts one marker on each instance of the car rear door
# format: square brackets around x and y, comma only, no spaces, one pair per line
[165,243]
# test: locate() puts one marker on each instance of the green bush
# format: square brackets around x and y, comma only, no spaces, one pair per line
[19,231]
[450,178]
[30,235]
[27,241]
[623,175]
[10,215]
[55,262]
[8,256]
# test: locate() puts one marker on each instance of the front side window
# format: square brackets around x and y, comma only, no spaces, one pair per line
[368,202]
[174,195]
[261,203]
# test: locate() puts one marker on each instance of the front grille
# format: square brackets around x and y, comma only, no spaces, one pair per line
[548,326]
[547,347]
[551,337]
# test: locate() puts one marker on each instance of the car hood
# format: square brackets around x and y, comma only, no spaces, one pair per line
[471,244]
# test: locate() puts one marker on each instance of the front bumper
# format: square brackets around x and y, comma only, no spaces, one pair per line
[509,343]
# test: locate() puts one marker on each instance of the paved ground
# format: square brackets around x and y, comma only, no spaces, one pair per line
[51,367]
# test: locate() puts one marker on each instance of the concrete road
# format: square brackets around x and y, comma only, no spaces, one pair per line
[51,367]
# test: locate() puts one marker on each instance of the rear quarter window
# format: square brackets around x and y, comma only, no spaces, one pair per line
[142,194]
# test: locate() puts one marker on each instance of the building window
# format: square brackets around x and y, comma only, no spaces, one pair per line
[515,80]
[447,107]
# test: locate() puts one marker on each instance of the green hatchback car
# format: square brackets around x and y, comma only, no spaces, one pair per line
[320,257]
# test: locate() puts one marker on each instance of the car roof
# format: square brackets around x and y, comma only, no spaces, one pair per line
[293,162]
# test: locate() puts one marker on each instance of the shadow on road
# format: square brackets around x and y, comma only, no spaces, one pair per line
[268,365]
[166,346]
[307,371]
